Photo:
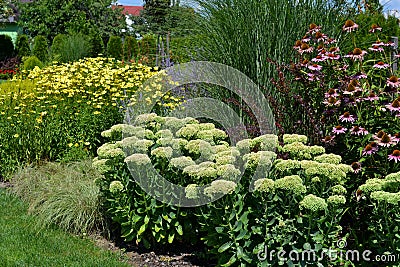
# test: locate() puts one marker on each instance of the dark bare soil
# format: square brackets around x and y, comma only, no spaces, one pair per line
[167,255]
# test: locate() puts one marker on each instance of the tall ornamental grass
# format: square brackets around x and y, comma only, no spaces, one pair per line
[246,34]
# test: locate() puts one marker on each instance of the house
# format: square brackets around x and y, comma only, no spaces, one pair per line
[9,25]
[129,11]
[132,10]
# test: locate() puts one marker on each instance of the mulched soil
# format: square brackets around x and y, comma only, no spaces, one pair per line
[166,256]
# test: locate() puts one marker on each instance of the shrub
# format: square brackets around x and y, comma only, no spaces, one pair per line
[7,47]
[114,47]
[130,48]
[57,46]
[148,49]
[383,196]
[31,62]
[281,212]
[62,194]
[22,46]
[71,47]
[96,45]
[40,48]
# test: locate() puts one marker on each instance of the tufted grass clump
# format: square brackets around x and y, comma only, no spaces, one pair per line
[62,194]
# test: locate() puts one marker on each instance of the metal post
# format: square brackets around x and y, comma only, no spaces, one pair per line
[395,40]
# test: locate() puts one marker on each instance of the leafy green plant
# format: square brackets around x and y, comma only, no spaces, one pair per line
[40,48]
[7,47]
[114,47]
[62,194]
[382,198]
[297,206]
[22,46]
[71,47]
[56,48]
[130,48]
[48,119]
[96,44]
[148,49]
[308,184]
[31,62]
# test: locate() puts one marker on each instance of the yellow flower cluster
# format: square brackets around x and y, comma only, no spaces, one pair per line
[94,81]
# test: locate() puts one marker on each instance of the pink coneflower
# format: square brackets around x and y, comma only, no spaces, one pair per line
[396,137]
[381,65]
[321,49]
[318,58]
[306,39]
[356,166]
[360,75]
[356,54]
[385,141]
[297,45]
[393,81]
[315,67]
[352,87]
[357,130]
[331,93]
[375,27]
[312,77]
[305,48]
[347,117]
[339,129]
[313,28]
[378,43]
[397,56]
[376,48]
[379,135]
[330,41]
[394,106]
[368,150]
[395,155]
[320,37]
[389,43]
[334,49]
[349,26]
[304,63]
[331,101]
[351,101]
[372,97]
[328,140]
[332,56]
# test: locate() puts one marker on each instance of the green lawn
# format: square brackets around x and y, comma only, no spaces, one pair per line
[22,245]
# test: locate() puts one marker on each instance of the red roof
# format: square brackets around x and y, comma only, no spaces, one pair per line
[132,10]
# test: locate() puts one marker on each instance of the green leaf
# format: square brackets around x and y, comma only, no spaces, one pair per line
[146,219]
[171,238]
[231,261]
[157,228]
[219,229]
[241,234]
[142,229]
[179,230]
[225,246]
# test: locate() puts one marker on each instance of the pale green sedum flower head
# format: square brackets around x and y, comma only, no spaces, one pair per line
[292,183]
[220,187]
[313,203]
[116,186]
[264,185]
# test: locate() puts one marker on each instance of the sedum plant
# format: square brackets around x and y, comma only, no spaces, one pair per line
[382,197]
[266,201]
